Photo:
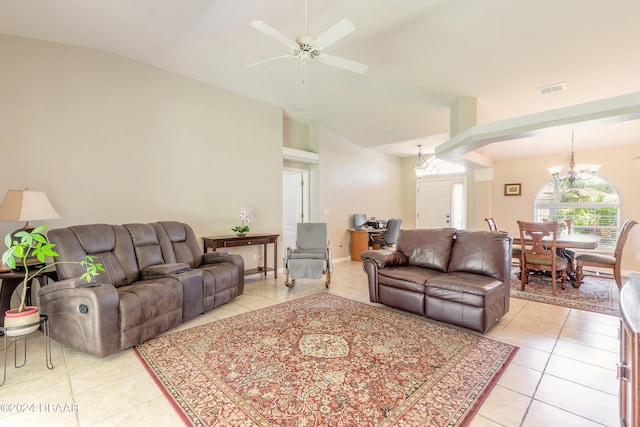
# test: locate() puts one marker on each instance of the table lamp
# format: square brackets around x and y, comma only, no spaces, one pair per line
[26,205]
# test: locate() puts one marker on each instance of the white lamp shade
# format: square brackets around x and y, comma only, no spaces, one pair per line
[26,205]
[591,168]
[555,170]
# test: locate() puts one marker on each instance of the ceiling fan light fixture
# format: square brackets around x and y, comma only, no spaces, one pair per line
[308,48]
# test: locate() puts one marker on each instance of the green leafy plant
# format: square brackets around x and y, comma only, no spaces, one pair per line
[243,229]
[32,243]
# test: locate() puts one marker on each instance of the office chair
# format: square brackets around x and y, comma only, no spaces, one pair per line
[606,261]
[311,258]
[390,236]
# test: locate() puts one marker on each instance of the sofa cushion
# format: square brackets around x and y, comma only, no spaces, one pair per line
[148,308]
[461,287]
[480,252]
[406,277]
[147,246]
[428,248]
[178,243]
[111,244]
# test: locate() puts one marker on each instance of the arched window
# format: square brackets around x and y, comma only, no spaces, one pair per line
[443,167]
[593,207]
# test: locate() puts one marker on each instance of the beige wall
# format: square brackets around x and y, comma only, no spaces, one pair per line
[355,180]
[113,140]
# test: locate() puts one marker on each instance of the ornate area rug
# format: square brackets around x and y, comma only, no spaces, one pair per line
[324,360]
[597,294]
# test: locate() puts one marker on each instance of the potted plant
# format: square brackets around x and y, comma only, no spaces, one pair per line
[25,244]
[245,216]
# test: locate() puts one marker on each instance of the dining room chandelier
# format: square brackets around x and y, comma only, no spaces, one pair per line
[420,167]
[581,172]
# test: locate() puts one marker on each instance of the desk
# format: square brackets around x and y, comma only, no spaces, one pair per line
[360,240]
[12,279]
[215,242]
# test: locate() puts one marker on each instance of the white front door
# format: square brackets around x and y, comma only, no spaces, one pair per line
[433,203]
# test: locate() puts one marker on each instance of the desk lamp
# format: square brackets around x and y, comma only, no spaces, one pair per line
[26,205]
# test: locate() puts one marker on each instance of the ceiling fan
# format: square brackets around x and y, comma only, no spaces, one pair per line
[308,48]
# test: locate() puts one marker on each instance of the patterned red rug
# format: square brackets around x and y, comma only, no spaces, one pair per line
[596,294]
[324,360]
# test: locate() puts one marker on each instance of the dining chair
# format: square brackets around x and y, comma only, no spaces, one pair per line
[606,261]
[568,253]
[539,252]
[515,250]
[493,226]
[568,221]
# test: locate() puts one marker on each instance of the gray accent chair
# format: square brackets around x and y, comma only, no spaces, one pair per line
[311,258]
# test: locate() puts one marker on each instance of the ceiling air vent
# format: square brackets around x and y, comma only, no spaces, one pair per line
[560,87]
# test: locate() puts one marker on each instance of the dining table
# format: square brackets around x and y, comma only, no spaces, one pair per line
[569,241]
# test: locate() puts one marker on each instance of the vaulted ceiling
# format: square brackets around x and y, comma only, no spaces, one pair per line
[422,56]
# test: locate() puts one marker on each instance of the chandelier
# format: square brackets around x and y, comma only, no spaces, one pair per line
[581,172]
[420,167]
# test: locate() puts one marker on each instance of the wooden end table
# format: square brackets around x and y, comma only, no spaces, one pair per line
[216,242]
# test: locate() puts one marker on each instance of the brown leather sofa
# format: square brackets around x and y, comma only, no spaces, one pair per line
[455,276]
[156,278]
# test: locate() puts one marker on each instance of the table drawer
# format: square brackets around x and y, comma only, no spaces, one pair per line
[246,242]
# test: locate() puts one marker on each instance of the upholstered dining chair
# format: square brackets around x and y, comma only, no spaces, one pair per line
[606,261]
[540,255]
[390,236]
[311,258]
[515,250]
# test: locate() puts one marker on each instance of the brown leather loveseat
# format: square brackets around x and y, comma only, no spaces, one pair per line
[156,278]
[455,276]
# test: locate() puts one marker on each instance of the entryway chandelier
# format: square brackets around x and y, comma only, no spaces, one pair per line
[420,167]
[581,172]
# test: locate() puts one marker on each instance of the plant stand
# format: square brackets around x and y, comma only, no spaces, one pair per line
[44,323]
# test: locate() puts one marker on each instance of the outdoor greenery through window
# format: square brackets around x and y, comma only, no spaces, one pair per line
[593,207]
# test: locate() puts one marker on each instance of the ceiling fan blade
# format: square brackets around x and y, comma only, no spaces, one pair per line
[347,64]
[334,34]
[275,59]
[273,33]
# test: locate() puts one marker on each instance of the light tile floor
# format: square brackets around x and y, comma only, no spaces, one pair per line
[563,374]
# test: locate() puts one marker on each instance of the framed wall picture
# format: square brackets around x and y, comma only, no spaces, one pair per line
[513,189]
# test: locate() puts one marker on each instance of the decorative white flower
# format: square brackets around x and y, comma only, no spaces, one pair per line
[245,217]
